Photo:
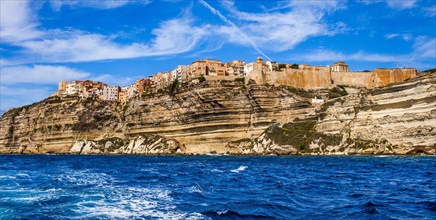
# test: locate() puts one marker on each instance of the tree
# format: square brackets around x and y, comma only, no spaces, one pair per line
[294,66]
[174,85]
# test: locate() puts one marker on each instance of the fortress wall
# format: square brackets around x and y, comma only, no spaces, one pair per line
[321,77]
[357,79]
[314,78]
[383,77]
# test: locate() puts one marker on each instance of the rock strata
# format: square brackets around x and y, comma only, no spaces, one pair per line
[230,117]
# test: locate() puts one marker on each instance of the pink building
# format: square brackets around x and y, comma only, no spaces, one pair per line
[111,93]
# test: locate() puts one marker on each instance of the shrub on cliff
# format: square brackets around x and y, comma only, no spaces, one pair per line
[202,79]
[240,79]
[173,86]
[300,92]
[337,91]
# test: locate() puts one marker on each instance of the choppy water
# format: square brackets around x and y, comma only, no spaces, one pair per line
[213,187]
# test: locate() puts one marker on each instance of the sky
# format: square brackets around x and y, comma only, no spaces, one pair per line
[43,42]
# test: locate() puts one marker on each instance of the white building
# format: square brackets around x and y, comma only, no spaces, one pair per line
[179,73]
[248,68]
[73,87]
[130,91]
[272,65]
[111,93]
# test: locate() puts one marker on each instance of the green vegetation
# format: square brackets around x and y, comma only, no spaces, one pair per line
[300,135]
[337,91]
[301,92]
[281,66]
[430,70]
[145,93]
[125,107]
[240,79]
[173,86]
[294,66]
[202,79]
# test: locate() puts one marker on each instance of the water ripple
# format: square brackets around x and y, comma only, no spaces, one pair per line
[211,187]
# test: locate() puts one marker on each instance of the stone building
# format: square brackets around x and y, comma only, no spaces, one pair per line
[339,67]
[122,96]
[143,85]
[181,73]
[62,87]
[110,93]
[215,68]
[235,68]
[197,69]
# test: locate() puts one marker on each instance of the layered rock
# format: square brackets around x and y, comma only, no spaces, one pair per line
[202,118]
[229,117]
[398,119]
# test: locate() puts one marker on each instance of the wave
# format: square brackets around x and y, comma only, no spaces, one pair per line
[240,168]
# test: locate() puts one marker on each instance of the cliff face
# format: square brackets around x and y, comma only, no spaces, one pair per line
[197,119]
[230,117]
[398,119]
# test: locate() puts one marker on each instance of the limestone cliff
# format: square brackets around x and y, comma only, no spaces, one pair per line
[230,117]
[199,118]
[398,119]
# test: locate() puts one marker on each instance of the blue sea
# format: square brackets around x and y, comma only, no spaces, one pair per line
[217,187]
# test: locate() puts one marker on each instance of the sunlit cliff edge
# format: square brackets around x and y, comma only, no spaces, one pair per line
[233,117]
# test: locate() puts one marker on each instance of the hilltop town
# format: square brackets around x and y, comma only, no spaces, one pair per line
[272,73]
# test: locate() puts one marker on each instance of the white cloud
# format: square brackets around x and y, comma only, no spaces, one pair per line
[17,22]
[395,4]
[103,4]
[406,37]
[391,36]
[425,47]
[328,55]
[22,85]
[19,28]
[79,46]
[39,74]
[11,97]
[401,4]
[430,11]
[422,55]
[282,30]
[233,29]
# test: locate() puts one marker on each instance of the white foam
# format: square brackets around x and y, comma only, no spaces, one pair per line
[132,202]
[240,168]
[23,175]
[217,171]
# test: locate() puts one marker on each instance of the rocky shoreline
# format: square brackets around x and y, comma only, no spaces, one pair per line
[231,117]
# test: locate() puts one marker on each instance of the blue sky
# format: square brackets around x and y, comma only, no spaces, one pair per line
[46,41]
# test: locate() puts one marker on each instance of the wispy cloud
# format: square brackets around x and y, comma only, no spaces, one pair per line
[40,74]
[284,29]
[395,4]
[22,85]
[406,37]
[423,54]
[11,96]
[105,4]
[329,55]
[17,22]
[58,45]
[425,47]
[234,28]
[430,11]
[401,4]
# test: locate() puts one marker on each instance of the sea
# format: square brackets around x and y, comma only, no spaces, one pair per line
[217,187]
